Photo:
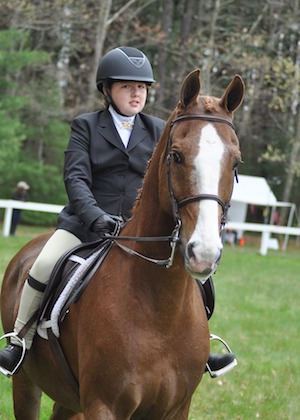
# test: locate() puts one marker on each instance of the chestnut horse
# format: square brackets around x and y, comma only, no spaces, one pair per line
[137,340]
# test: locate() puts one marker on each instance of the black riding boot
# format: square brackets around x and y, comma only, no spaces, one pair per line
[12,356]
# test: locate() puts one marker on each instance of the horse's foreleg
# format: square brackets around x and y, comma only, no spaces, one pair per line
[26,397]
[62,413]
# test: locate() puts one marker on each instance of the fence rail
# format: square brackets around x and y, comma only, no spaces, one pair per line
[9,205]
[265,229]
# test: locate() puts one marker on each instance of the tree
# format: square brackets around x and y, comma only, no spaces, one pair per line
[12,102]
[30,126]
[257,40]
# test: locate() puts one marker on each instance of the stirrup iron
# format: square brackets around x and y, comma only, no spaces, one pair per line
[225,369]
[23,345]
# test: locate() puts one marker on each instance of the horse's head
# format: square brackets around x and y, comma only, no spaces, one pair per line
[202,157]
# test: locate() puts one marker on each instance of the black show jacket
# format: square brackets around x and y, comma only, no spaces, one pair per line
[100,173]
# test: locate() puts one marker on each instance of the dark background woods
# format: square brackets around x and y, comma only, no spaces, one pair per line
[49,51]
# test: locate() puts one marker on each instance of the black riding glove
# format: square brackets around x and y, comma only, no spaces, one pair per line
[106,224]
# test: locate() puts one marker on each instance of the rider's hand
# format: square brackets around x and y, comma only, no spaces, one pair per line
[106,224]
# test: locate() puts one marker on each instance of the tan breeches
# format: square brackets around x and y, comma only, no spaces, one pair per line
[59,243]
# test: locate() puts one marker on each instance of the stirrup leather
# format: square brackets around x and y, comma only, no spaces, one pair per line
[23,344]
[225,369]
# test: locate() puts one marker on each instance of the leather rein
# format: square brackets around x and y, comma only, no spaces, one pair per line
[173,239]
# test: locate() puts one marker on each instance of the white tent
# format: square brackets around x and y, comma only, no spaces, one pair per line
[255,190]
[249,190]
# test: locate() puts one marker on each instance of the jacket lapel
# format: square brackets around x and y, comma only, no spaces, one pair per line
[139,132]
[108,131]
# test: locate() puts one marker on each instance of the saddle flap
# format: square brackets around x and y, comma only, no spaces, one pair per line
[68,280]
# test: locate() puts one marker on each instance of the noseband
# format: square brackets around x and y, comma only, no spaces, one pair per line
[177,204]
[225,207]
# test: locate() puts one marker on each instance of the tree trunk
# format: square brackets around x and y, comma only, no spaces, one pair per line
[104,12]
[167,19]
[210,56]
[293,164]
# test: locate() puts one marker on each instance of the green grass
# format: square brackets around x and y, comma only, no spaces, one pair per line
[257,312]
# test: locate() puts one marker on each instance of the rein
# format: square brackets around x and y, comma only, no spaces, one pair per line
[173,239]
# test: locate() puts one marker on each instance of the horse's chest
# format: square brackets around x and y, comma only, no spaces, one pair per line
[167,376]
[159,390]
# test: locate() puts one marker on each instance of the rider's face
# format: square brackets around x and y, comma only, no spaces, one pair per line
[129,97]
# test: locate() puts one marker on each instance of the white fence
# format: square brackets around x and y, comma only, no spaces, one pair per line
[265,229]
[9,205]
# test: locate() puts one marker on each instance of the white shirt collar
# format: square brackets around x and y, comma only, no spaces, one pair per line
[118,119]
[124,132]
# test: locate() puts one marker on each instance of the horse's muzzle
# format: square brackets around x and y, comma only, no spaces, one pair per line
[203,264]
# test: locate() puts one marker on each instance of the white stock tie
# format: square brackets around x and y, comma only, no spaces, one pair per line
[126,124]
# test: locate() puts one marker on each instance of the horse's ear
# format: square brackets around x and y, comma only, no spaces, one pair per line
[190,88]
[234,94]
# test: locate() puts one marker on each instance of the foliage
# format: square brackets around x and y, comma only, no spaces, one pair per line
[49,54]
[282,79]
[33,134]
[11,127]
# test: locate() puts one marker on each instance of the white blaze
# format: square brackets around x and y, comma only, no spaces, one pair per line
[206,237]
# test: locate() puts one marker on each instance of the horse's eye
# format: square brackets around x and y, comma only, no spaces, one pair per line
[177,157]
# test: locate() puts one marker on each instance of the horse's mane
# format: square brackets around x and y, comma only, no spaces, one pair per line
[139,194]
[161,150]
[209,103]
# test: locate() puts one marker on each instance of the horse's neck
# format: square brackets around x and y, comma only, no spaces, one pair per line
[149,218]
[165,285]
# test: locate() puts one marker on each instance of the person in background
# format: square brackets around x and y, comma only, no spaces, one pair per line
[105,163]
[20,194]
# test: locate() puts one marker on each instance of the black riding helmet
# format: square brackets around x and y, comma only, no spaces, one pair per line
[124,63]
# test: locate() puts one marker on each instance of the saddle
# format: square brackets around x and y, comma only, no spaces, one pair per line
[69,278]
[71,275]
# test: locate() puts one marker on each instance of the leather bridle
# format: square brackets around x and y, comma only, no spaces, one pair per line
[203,117]
[175,204]
[173,239]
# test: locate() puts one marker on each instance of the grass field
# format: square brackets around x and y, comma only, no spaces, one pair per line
[258,313]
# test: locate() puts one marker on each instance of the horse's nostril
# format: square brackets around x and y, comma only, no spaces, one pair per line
[190,250]
[206,271]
